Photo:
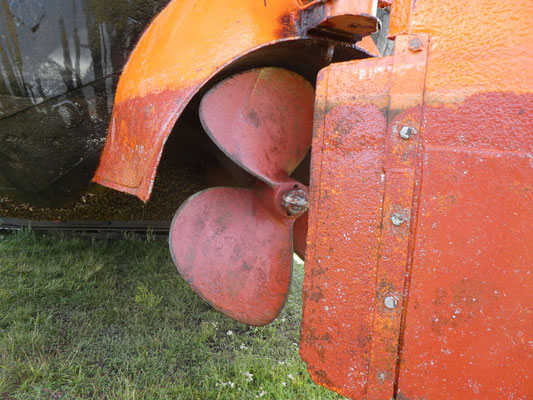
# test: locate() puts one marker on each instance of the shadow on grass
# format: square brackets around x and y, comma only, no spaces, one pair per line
[83,319]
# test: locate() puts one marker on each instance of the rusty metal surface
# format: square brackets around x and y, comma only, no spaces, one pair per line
[299,235]
[186,45]
[473,239]
[368,44]
[347,20]
[400,17]
[385,3]
[468,321]
[449,226]
[400,165]
[234,246]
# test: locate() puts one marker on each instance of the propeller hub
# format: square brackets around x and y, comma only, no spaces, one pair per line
[295,202]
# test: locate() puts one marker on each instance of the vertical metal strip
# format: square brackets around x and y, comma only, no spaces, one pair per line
[400,18]
[317,155]
[403,137]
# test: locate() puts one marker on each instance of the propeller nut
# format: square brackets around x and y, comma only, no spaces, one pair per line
[295,202]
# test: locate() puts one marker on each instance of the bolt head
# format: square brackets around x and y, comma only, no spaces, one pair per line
[415,44]
[295,202]
[390,302]
[406,132]
[397,219]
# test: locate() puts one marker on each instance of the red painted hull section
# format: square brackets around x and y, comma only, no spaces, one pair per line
[420,247]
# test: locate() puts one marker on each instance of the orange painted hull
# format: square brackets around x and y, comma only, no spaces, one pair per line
[420,247]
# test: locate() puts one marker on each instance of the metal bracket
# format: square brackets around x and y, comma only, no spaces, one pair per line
[364,167]
[345,20]
[398,221]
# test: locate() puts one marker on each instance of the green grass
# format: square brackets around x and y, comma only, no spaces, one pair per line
[95,319]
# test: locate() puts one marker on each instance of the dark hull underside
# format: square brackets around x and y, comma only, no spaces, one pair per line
[59,65]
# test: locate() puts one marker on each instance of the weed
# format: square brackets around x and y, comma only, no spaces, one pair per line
[146,299]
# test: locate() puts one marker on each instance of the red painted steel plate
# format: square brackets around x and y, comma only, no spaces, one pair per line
[347,187]
[234,253]
[468,329]
[262,119]
[463,181]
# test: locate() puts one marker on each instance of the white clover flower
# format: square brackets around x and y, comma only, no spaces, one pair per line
[284,383]
[243,346]
[249,376]
[262,392]
[290,377]
[229,333]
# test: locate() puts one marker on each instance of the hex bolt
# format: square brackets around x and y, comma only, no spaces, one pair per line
[397,219]
[415,44]
[390,302]
[406,132]
[295,202]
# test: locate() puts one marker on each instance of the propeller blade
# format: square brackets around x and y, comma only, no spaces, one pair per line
[299,235]
[234,253]
[262,119]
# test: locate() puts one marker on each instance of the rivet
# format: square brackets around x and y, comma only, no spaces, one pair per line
[406,132]
[390,302]
[397,219]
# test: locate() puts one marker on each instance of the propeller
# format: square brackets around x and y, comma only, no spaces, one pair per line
[234,246]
